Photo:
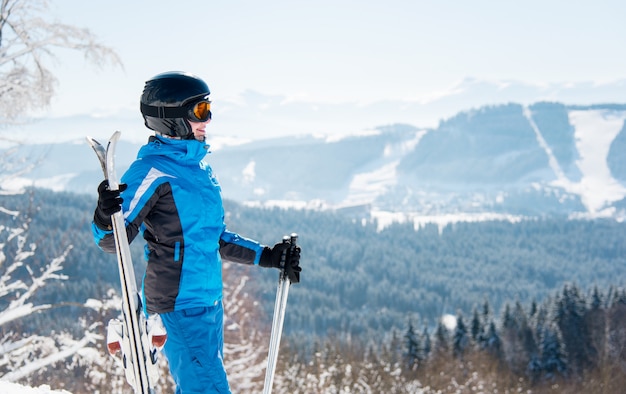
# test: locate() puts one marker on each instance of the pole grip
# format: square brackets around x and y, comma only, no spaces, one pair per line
[292,240]
[283,256]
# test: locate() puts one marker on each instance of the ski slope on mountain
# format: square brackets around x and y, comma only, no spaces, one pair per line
[595,130]
[381,174]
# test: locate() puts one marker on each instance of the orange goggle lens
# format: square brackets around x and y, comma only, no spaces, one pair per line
[201,111]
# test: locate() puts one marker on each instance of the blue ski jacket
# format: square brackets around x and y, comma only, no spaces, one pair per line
[175,201]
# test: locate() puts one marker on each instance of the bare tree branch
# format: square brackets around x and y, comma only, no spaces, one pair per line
[28,41]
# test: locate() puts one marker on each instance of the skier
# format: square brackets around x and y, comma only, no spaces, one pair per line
[171,196]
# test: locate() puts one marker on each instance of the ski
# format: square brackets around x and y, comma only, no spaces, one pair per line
[279,316]
[135,340]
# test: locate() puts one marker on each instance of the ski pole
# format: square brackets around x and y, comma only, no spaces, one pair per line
[279,315]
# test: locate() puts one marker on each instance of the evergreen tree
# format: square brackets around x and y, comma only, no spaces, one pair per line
[533,309]
[596,323]
[507,318]
[394,350]
[461,339]
[533,369]
[476,326]
[426,343]
[491,341]
[610,296]
[525,331]
[616,331]
[570,310]
[486,312]
[442,338]
[619,297]
[518,344]
[411,354]
[596,299]
[553,356]
[540,319]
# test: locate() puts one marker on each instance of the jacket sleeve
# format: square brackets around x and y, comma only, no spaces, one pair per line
[238,249]
[99,236]
[105,239]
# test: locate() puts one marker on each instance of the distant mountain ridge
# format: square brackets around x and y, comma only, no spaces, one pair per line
[538,160]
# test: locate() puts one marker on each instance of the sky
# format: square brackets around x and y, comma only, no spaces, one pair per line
[281,67]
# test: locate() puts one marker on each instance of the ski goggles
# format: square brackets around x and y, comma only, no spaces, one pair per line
[200,111]
[197,111]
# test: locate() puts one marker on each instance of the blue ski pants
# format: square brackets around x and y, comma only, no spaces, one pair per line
[195,348]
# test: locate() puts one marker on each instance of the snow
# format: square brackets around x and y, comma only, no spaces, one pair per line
[249,172]
[374,181]
[330,138]
[57,183]
[58,356]
[594,132]
[14,388]
[554,164]
[288,204]
[365,187]
[385,218]
[17,312]
[449,321]
[9,212]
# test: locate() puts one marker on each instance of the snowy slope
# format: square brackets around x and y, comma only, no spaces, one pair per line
[595,130]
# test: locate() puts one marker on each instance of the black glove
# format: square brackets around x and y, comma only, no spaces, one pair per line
[109,202]
[271,258]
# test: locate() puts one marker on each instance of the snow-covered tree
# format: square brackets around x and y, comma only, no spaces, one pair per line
[28,40]
[19,281]
[245,346]
[28,43]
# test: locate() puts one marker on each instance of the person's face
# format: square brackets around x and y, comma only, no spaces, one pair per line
[199,129]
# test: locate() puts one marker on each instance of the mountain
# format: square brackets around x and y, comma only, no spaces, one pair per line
[507,161]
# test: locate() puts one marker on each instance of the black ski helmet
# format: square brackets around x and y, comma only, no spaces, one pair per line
[167,99]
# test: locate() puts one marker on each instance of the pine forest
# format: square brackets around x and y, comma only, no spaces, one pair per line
[534,306]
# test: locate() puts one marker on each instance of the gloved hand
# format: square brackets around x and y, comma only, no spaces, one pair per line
[271,257]
[109,202]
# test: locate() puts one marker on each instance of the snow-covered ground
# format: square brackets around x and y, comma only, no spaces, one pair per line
[14,388]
